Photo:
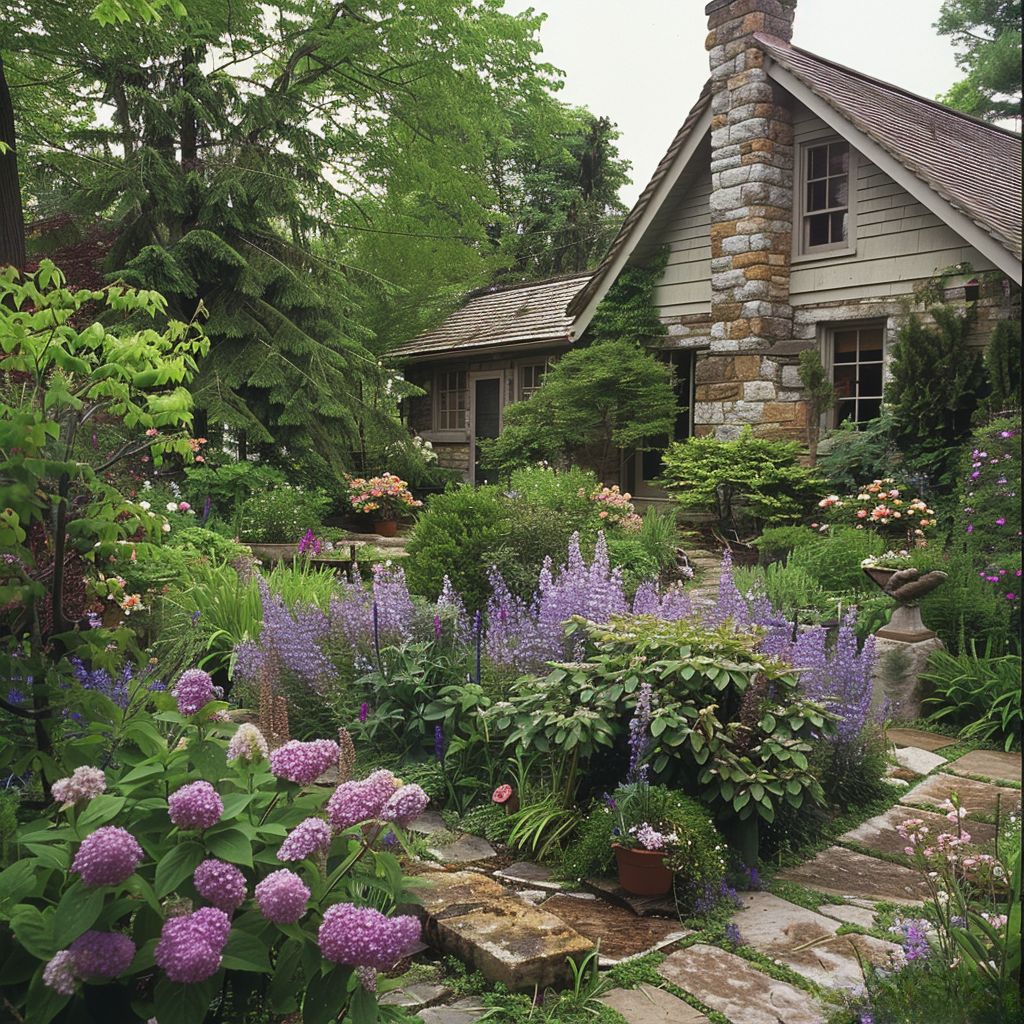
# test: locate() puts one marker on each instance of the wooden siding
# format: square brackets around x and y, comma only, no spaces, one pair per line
[899,242]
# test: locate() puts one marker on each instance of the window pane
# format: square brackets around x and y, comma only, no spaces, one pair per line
[871,344]
[817,162]
[816,195]
[838,158]
[838,233]
[817,229]
[846,411]
[837,191]
[869,409]
[870,381]
[845,380]
[845,346]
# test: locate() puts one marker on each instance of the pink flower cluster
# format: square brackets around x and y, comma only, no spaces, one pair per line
[303,763]
[196,805]
[191,946]
[107,857]
[84,783]
[282,897]
[248,745]
[220,883]
[308,837]
[95,956]
[616,508]
[364,937]
[386,495]
[406,804]
[880,504]
[353,802]
[193,691]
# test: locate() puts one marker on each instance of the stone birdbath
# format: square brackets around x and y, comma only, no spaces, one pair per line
[906,586]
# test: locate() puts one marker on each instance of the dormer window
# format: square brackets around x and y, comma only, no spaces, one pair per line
[825,201]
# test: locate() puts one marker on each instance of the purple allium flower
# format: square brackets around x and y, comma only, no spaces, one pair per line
[364,937]
[193,691]
[282,897]
[59,973]
[83,784]
[196,805]
[303,763]
[353,802]
[220,883]
[107,857]
[103,955]
[248,745]
[406,804]
[191,946]
[308,837]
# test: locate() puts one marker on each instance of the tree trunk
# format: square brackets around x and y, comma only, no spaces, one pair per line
[12,217]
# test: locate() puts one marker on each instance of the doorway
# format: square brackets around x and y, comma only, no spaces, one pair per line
[647,465]
[486,405]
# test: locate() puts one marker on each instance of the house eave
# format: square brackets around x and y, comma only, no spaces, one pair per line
[497,348]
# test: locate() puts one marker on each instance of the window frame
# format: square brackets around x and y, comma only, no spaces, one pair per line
[442,428]
[829,331]
[848,247]
[520,392]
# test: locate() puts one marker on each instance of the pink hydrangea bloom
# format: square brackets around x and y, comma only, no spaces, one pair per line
[248,745]
[406,804]
[191,946]
[352,802]
[103,955]
[107,856]
[193,691]
[59,973]
[220,883]
[83,784]
[364,937]
[282,897]
[303,763]
[196,805]
[307,838]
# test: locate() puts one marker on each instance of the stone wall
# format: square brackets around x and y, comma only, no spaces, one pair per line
[452,456]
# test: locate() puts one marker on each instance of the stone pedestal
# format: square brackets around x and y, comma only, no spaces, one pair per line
[896,676]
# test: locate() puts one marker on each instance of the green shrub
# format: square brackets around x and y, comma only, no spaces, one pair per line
[659,536]
[452,538]
[282,515]
[748,481]
[835,563]
[206,543]
[791,589]
[977,692]
[853,453]
[632,557]
[989,491]
[228,486]
[775,543]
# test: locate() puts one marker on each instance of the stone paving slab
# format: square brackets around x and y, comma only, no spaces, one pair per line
[841,872]
[807,942]
[975,797]
[462,1011]
[650,1005]
[465,850]
[415,996]
[738,990]
[526,872]
[993,764]
[916,760]
[619,931]
[642,906]
[848,914]
[918,738]
[456,892]
[428,823]
[879,833]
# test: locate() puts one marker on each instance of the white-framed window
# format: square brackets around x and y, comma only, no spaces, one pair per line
[452,400]
[826,219]
[530,378]
[857,357]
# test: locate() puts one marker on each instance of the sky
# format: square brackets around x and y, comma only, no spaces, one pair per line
[642,62]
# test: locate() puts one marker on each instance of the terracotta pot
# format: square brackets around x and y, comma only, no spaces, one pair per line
[385,527]
[642,872]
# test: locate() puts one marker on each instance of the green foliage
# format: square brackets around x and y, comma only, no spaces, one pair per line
[282,515]
[659,536]
[987,37]
[595,400]
[266,970]
[637,562]
[776,543]
[229,485]
[835,564]
[819,390]
[933,390]
[854,452]
[978,692]
[628,310]
[208,544]
[1003,364]
[989,487]
[451,538]
[747,480]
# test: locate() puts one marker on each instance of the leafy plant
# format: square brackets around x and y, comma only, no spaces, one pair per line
[776,543]
[282,515]
[820,392]
[1003,363]
[835,564]
[858,451]
[748,480]
[978,692]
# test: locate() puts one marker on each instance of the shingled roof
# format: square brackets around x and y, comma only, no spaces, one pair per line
[526,314]
[973,165]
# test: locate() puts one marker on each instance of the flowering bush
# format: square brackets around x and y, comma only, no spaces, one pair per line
[883,506]
[989,492]
[616,509]
[384,497]
[170,886]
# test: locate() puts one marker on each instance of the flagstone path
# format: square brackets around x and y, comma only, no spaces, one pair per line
[515,924]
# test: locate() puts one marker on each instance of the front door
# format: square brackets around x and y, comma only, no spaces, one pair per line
[647,465]
[486,398]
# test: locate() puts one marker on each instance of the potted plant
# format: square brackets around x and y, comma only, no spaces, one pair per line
[384,498]
[640,855]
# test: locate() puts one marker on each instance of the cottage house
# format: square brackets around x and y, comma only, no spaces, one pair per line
[802,203]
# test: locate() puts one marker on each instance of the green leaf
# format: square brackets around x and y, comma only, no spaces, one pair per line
[77,912]
[184,1004]
[231,845]
[16,882]
[34,931]
[325,996]
[362,1006]
[100,810]
[43,1003]
[175,866]
[246,952]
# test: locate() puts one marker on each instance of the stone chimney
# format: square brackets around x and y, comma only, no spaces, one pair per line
[751,227]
